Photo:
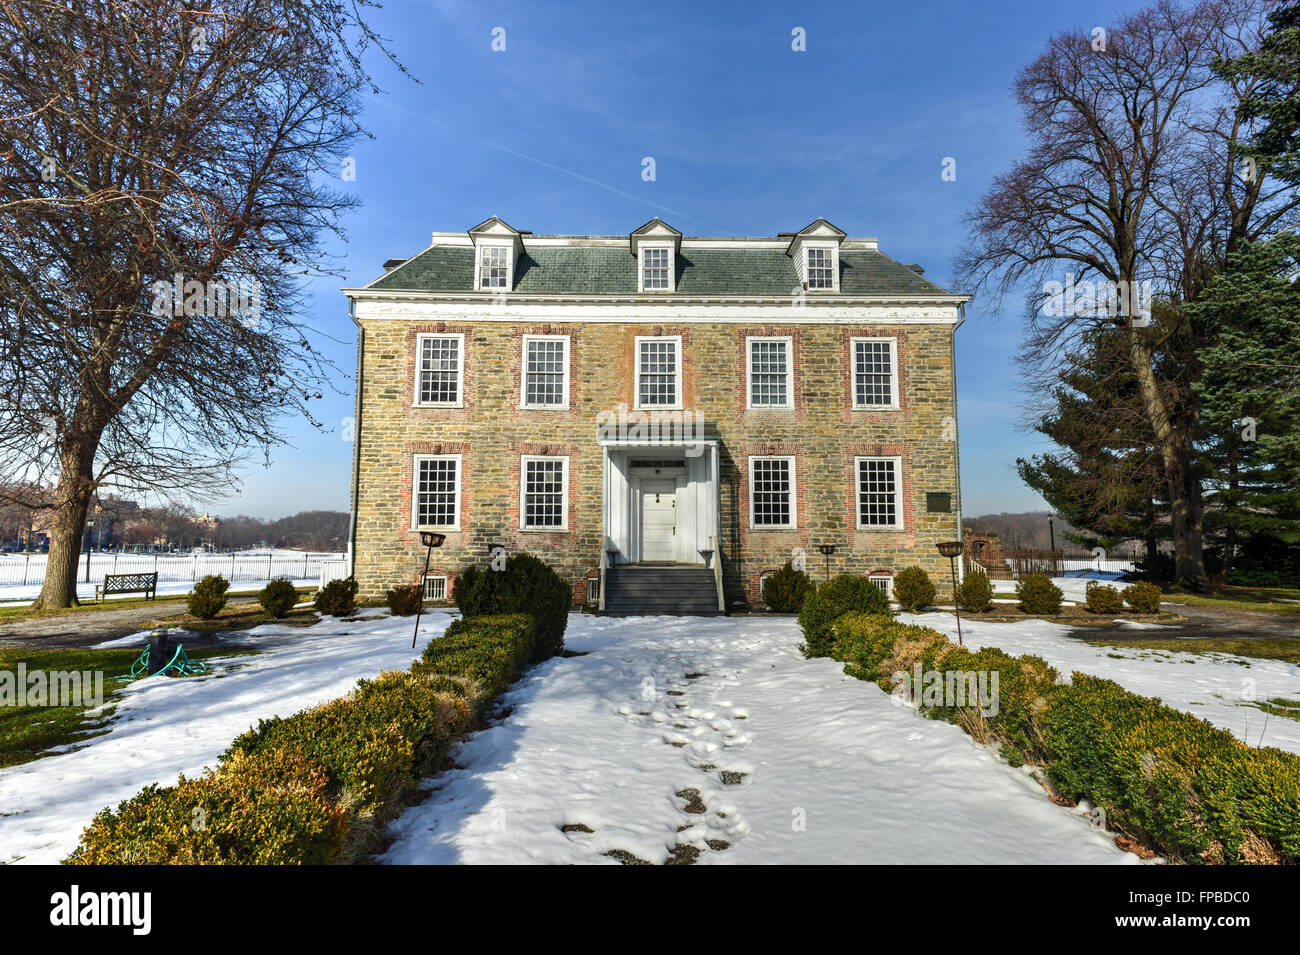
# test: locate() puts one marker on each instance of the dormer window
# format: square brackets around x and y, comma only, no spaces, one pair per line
[493,267]
[821,268]
[656,269]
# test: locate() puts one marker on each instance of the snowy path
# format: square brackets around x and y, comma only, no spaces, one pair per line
[1215,687]
[164,727]
[826,768]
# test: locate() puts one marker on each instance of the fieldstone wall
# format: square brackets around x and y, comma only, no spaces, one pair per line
[490,432]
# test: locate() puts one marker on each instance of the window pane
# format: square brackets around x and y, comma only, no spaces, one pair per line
[544,493]
[655,265]
[769,366]
[771,492]
[820,268]
[877,493]
[439,370]
[544,372]
[493,267]
[435,493]
[658,369]
[873,380]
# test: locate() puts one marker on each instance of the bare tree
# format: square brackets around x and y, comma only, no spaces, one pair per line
[167,170]
[1130,178]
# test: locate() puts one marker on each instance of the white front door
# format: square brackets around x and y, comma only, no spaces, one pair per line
[658,520]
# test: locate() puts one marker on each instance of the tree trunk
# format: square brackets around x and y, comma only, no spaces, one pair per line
[1176,457]
[71,503]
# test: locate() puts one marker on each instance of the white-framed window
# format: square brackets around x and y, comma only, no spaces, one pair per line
[821,266]
[769,367]
[879,483]
[439,370]
[593,590]
[494,267]
[435,588]
[435,491]
[545,379]
[875,372]
[656,271]
[771,492]
[544,492]
[659,372]
[885,582]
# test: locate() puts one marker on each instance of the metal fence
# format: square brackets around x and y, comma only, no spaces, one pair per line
[28,569]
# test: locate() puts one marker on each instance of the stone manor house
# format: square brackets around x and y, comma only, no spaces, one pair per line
[662,418]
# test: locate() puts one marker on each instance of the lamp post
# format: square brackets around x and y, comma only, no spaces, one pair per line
[952,550]
[826,551]
[90,529]
[1051,534]
[430,540]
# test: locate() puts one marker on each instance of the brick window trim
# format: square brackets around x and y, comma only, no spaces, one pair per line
[410,451]
[743,409]
[519,538]
[906,491]
[575,407]
[413,333]
[741,454]
[688,398]
[902,354]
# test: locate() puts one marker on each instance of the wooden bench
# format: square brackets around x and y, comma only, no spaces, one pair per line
[127,584]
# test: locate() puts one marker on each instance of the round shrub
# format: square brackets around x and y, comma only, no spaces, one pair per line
[338,598]
[278,597]
[527,585]
[913,589]
[1038,595]
[786,590]
[403,601]
[1143,597]
[208,596]
[1102,598]
[976,592]
[846,593]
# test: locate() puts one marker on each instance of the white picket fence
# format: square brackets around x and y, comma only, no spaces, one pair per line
[20,570]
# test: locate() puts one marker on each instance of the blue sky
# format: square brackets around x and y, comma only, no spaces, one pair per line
[749,137]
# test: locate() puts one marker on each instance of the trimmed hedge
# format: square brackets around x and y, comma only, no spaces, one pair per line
[846,593]
[1187,789]
[318,786]
[527,585]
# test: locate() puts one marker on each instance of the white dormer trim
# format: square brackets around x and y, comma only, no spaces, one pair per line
[818,241]
[489,238]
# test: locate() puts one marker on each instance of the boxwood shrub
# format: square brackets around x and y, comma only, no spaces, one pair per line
[527,585]
[208,597]
[1143,597]
[976,592]
[787,589]
[913,589]
[278,597]
[403,600]
[338,598]
[1102,598]
[846,593]
[1038,595]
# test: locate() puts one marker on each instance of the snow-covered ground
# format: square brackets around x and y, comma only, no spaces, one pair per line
[830,769]
[1216,687]
[164,727]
